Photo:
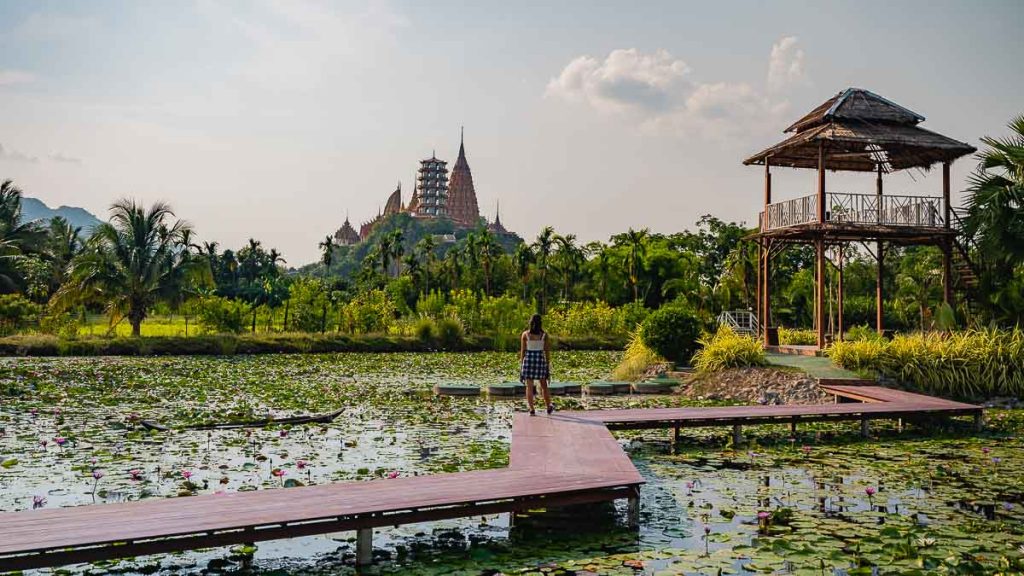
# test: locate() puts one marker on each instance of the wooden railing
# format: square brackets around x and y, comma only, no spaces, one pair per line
[741,321]
[870,209]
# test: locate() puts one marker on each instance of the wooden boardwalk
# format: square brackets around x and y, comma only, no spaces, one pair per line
[564,459]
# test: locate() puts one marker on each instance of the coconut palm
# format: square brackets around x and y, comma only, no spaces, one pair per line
[635,239]
[18,239]
[133,262]
[570,258]
[523,257]
[543,247]
[327,253]
[488,250]
[425,247]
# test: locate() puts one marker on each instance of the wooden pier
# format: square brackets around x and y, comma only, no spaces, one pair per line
[559,460]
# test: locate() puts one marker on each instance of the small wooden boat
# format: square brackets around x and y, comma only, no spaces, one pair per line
[292,420]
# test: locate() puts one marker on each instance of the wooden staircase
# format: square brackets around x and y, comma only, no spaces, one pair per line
[966,272]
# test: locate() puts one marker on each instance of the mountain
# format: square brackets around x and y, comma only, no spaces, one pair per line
[35,209]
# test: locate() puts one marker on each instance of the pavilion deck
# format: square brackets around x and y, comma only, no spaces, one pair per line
[565,459]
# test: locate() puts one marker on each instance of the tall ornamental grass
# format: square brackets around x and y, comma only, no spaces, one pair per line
[969,364]
[727,349]
[797,336]
[636,360]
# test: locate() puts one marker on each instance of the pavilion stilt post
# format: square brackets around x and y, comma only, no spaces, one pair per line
[979,421]
[947,246]
[675,435]
[737,435]
[364,546]
[879,257]
[765,273]
[839,296]
[819,243]
[865,427]
[633,508]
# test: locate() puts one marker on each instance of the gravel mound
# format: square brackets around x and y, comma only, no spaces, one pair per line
[756,386]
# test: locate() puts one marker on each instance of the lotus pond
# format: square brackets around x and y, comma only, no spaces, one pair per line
[822,502]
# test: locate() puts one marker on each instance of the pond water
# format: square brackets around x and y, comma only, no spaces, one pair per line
[822,502]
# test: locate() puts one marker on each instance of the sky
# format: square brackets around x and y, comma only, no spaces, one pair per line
[275,119]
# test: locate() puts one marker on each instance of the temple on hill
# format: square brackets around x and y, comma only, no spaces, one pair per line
[435,195]
[462,206]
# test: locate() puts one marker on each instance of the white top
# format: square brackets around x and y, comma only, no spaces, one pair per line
[535,345]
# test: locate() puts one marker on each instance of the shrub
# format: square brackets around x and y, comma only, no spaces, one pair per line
[424,329]
[968,364]
[17,313]
[863,332]
[727,349]
[797,337]
[372,312]
[308,303]
[672,333]
[223,315]
[636,359]
[450,333]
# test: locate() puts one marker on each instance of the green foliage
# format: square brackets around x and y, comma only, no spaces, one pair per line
[450,333]
[368,313]
[308,303]
[727,349]
[424,329]
[672,333]
[17,313]
[636,360]
[223,315]
[969,364]
[797,337]
[863,332]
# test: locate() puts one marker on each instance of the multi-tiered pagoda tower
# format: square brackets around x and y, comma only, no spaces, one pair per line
[431,197]
[462,204]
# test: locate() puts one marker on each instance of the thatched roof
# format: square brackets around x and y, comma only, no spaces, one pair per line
[860,131]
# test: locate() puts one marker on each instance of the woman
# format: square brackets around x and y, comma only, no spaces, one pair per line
[535,362]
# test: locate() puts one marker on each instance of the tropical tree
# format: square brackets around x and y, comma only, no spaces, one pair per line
[425,247]
[522,258]
[995,219]
[634,240]
[18,240]
[543,247]
[133,262]
[488,250]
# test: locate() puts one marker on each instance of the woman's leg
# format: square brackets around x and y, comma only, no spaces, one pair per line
[547,395]
[529,394]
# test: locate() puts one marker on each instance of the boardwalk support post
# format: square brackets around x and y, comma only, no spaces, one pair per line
[737,434]
[979,421]
[364,546]
[675,435]
[633,508]
[865,428]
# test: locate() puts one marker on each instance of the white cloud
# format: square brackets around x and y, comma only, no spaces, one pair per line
[786,66]
[55,25]
[64,159]
[12,77]
[16,156]
[659,90]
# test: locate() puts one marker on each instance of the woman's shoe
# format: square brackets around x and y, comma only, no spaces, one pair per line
[550,409]
[533,412]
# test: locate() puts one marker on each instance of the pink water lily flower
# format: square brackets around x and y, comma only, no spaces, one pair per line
[985,450]
[300,464]
[763,515]
[97,474]
[393,474]
[870,490]
[283,433]
[135,474]
[43,443]
[278,472]
[38,502]
[186,474]
[60,441]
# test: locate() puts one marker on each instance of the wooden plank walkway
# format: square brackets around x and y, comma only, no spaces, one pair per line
[568,458]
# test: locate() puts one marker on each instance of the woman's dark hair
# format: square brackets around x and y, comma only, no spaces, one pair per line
[535,325]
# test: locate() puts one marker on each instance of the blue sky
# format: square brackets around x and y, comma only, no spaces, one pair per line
[273,119]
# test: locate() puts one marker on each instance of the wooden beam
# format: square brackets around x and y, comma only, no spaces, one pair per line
[821,181]
[765,307]
[819,243]
[947,245]
[880,260]
[839,295]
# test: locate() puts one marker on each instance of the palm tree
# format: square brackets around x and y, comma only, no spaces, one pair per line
[327,253]
[602,266]
[65,241]
[543,247]
[489,249]
[569,260]
[385,248]
[522,258]
[397,250]
[17,239]
[425,247]
[132,262]
[995,219]
[634,258]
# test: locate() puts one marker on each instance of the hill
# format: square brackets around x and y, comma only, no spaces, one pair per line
[35,209]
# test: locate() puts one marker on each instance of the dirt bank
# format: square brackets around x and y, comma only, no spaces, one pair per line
[756,386]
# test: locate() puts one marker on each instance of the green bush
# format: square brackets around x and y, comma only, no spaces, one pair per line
[424,330]
[17,313]
[968,364]
[727,349]
[223,315]
[672,333]
[863,332]
[797,337]
[450,333]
